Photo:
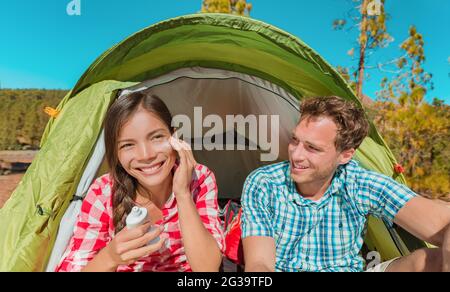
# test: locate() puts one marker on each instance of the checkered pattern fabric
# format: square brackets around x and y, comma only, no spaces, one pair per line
[324,235]
[94,228]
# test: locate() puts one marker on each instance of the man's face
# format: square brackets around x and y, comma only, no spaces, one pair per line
[312,152]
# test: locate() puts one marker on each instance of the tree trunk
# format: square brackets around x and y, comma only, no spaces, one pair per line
[362,49]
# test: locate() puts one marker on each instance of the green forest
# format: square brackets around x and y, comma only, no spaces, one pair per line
[22,116]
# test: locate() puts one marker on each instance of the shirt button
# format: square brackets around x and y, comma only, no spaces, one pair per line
[307,259]
[340,225]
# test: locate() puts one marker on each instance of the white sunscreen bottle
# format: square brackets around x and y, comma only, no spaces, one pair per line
[138,216]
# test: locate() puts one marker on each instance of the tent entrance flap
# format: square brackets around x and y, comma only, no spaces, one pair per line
[198,95]
[234,122]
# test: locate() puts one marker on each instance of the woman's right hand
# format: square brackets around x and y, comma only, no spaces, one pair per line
[129,245]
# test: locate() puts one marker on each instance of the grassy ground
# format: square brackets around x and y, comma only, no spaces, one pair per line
[9,182]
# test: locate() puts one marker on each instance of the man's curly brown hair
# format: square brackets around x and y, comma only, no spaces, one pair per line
[350,119]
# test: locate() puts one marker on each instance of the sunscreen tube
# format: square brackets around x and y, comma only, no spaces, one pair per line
[138,216]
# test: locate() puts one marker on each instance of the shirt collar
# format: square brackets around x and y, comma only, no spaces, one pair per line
[333,189]
[170,201]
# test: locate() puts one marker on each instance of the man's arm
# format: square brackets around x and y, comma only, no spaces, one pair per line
[395,202]
[426,220]
[259,254]
[257,224]
[446,251]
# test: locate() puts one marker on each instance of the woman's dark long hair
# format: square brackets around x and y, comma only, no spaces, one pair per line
[124,185]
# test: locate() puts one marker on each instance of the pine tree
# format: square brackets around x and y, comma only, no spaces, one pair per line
[417,131]
[238,7]
[372,35]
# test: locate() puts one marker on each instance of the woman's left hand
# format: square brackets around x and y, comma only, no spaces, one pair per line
[183,175]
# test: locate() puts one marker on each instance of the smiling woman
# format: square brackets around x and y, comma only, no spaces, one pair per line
[145,171]
[135,124]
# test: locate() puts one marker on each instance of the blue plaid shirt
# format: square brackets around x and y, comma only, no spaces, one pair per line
[324,235]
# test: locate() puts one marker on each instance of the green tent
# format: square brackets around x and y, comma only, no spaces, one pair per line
[222,63]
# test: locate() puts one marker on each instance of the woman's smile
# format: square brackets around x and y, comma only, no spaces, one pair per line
[152,169]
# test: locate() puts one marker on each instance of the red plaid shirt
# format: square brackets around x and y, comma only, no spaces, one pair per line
[95,228]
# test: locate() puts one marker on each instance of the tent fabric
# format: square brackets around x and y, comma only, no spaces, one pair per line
[35,209]
[219,92]
[198,87]
[223,94]
[234,43]
[66,227]
[237,44]
[65,232]
[215,41]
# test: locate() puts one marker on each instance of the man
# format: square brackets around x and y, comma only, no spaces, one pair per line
[310,213]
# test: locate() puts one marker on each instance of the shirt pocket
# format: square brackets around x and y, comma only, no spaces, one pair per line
[289,225]
[344,233]
[278,236]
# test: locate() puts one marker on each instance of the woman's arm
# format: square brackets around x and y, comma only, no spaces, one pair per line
[91,232]
[201,247]
[102,262]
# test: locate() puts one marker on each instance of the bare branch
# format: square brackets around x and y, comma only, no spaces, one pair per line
[380,67]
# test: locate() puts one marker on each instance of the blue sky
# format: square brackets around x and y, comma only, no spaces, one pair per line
[43,47]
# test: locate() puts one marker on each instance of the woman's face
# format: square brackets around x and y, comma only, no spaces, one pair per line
[144,150]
